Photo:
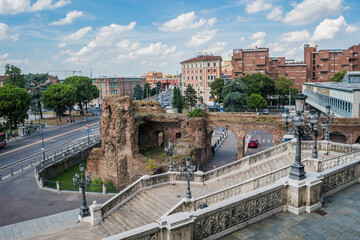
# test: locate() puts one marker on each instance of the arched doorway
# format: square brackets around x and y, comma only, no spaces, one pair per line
[223,145]
[256,141]
[160,138]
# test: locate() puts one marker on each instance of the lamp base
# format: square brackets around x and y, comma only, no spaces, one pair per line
[84,211]
[297,171]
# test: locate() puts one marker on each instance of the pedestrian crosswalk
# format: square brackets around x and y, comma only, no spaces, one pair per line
[267,140]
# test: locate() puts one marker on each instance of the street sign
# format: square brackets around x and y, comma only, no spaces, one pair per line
[87,125]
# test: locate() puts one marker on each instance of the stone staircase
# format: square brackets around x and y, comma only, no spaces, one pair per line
[143,209]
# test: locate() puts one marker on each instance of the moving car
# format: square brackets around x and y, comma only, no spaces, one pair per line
[265,111]
[2,140]
[253,142]
[287,138]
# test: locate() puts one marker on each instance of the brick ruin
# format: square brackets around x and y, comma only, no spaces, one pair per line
[127,126]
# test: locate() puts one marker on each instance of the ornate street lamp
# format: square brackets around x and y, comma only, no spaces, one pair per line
[329,118]
[170,151]
[188,173]
[313,119]
[286,117]
[82,183]
[297,168]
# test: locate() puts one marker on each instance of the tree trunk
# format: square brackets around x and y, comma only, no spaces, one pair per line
[86,108]
[81,109]
[39,106]
[9,127]
[70,113]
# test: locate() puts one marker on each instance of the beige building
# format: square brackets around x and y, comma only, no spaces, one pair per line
[199,72]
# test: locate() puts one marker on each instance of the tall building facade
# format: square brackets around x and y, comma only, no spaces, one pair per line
[151,76]
[199,72]
[248,61]
[323,64]
[120,86]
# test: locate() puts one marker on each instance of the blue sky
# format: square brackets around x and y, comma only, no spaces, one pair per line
[130,38]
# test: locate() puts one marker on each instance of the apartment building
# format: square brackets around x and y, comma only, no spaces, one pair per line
[166,82]
[227,67]
[199,72]
[151,76]
[323,64]
[120,86]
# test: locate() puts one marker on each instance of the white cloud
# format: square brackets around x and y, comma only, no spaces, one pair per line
[258,35]
[217,47]
[201,38]
[276,47]
[12,7]
[77,35]
[240,19]
[127,45]
[257,6]
[61,45]
[241,39]
[212,21]
[154,49]
[256,44]
[275,14]
[298,36]
[328,28]
[68,19]
[185,21]
[308,11]
[6,33]
[105,37]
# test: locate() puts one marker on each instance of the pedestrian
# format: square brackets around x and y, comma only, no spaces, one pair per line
[236,156]
[14,136]
[67,119]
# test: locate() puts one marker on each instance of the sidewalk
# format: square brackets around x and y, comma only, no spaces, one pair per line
[38,226]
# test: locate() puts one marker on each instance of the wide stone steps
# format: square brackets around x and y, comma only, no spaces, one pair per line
[140,210]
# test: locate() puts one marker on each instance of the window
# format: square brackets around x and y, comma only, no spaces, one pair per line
[214,70]
[200,71]
[200,77]
[208,64]
[214,64]
[106,85]
[208,70]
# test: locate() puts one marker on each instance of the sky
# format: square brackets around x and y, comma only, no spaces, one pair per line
[131,38]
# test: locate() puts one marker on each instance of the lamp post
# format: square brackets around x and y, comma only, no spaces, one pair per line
[313,119]
[189,171]
[82,183]
[170,151]
[43,146]
[286,117]
[326,120]
[297,168]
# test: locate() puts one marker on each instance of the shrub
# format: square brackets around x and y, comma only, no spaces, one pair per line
[197,112]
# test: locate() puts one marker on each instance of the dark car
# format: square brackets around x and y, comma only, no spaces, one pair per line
[253,143]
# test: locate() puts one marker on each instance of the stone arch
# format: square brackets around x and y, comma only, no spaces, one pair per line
[357,139]
[338,137]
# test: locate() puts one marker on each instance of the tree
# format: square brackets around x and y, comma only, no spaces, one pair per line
[14,76]
[216,89]
[85,91]
[256,101]
[14,104]
[59,97]
[177,101]
[259,83]
[158,87]
[197,112]
[35,85]
[138,92]
[146,90]
[234,102]
[153,91]
[283,85]
[190,96]
[337,77]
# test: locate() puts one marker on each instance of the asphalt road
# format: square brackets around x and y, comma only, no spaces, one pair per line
[55,138]
[265,141]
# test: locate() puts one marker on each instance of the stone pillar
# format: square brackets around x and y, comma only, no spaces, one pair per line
[104,189]
[41,182]
[95,213]
[199,176]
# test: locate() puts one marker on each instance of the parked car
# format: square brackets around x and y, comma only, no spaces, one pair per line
[253,143]
[265,111]
[287,138]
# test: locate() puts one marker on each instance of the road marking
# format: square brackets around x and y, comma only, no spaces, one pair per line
[26,146]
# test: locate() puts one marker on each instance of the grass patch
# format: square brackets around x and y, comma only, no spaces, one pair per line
[157,153]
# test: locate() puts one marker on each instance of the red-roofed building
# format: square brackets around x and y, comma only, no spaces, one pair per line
[199,72]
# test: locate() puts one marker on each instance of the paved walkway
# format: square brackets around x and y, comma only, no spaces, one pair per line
[339,218]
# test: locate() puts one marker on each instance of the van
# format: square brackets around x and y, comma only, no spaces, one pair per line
[287,138]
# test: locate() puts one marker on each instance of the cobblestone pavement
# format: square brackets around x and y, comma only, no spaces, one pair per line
[339,218]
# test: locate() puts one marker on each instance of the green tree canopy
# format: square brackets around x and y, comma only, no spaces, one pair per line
[233,86]
[14,76]
[216,89]
[197,112]
[146,90]
[234,102]
[337,77]
[14,104]
[59,97]
[256,101]
[283,85]
[259,83]
[138,92]
[85,90]
[190,96]
[177,101]
[158,87]
[35,85]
